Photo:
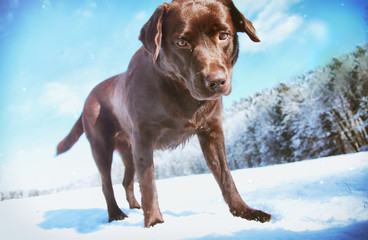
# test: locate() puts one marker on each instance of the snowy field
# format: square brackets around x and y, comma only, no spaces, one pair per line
[317,199]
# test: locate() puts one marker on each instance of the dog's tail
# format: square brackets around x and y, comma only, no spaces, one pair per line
[72,137]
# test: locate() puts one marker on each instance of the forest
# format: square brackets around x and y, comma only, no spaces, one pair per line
[321,113]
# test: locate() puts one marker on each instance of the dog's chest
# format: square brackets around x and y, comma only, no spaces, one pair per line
[178,130]
[171,138]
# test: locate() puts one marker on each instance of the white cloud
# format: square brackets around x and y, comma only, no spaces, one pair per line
[250,7]
[273,22]
[141,16]
[88,11]
[134,26]
[84,13]
[317,30]
[67,94]
[278,32]
[62,97]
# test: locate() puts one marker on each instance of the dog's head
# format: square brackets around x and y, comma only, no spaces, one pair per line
[196,42]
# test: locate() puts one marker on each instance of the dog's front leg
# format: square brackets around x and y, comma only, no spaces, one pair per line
[143,160]
[212,142]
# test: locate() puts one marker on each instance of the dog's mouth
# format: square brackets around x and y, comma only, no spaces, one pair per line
[209,90]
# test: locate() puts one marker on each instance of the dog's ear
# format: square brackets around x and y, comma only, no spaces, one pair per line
[242,24]
[151,33]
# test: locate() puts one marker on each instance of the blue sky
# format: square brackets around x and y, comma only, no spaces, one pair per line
[54,52]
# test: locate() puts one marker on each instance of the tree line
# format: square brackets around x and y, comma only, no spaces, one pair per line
[321,113]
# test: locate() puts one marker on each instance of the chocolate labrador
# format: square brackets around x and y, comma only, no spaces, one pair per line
[172,90]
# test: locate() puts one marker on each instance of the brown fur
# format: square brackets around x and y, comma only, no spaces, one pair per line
[172,90]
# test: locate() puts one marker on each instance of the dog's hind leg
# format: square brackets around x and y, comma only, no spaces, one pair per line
[125,151]
[103,159]
[100,128]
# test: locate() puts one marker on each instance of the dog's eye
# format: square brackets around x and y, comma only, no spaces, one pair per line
[223,36]
[182,43]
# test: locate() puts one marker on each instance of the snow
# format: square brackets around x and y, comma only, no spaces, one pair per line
[325,198]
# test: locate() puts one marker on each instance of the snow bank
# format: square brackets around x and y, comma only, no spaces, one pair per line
[317,199]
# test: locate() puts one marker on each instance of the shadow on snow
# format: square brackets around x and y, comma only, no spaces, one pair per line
[91,220]
[81,220]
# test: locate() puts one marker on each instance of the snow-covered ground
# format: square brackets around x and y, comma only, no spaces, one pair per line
[317,199]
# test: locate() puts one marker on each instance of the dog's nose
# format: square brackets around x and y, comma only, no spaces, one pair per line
[216,81]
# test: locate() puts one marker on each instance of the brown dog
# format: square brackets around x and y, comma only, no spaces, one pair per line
[172,90]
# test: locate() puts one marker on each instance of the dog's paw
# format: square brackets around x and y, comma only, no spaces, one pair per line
[134,205]
[117,216]
[253,215]
[257,215]
[152,221]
